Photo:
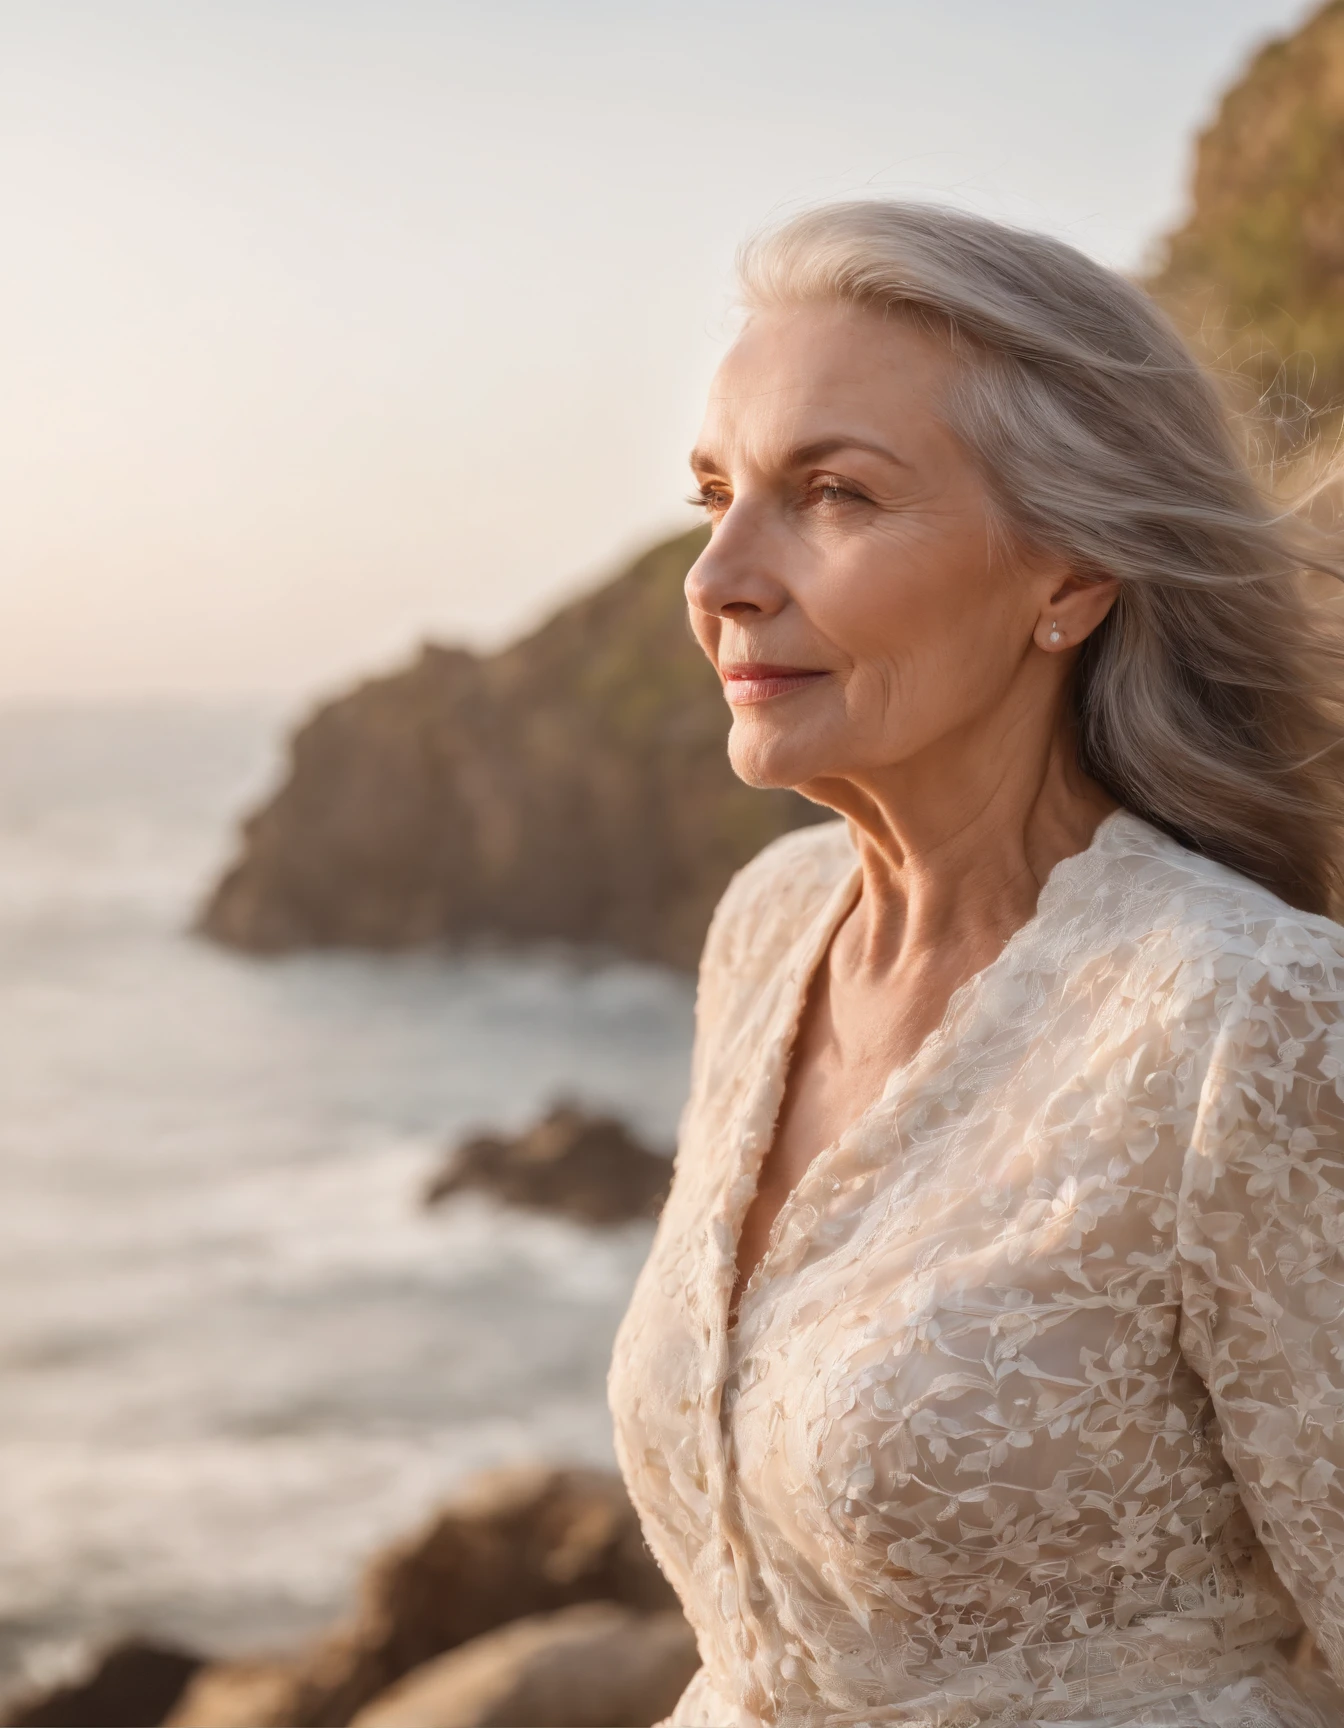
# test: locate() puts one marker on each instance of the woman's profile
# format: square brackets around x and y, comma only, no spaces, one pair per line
[988,1363]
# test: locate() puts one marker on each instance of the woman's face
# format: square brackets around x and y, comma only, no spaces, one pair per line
[853,598]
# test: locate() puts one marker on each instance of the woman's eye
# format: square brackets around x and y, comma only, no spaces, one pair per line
[711,498]
[832,492]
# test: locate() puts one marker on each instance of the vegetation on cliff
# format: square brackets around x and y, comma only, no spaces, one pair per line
[1258,267]
[574,786]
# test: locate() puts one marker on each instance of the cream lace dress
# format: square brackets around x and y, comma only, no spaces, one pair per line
[1034,1409]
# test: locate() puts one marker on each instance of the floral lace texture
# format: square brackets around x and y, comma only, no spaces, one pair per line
[1034,1408]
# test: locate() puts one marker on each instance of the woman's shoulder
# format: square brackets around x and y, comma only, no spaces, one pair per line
[771,899]
[1234,933]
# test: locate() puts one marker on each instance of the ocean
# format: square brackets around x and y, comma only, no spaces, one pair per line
[236,1353]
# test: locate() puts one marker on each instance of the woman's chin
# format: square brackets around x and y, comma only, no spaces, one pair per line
[768,762]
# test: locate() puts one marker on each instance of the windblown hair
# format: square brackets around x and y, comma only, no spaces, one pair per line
[1209,700]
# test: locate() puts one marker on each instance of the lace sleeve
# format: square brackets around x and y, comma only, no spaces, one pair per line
[1260,1232]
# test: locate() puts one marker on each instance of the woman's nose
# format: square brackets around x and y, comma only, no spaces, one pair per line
[730,577]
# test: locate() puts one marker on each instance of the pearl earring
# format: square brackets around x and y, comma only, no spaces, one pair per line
[1054,632]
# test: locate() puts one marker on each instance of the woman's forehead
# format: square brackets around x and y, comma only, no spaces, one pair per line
[823,375]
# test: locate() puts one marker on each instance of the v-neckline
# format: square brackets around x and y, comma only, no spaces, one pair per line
[801,964]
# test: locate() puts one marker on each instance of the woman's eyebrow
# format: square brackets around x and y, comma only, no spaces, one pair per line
[705,462]
[820,448]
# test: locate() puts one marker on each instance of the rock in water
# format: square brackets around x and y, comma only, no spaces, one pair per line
[516,1542]
[574,786]
[588,1168]
[132,1684]
[591,1666]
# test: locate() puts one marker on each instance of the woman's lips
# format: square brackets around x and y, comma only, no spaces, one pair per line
[756,681]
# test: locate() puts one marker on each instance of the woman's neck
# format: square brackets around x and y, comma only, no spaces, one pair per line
[954,852]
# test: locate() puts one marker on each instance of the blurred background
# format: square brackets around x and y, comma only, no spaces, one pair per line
[351,352]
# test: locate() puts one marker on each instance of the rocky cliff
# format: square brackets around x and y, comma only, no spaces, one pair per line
[1259,264]
[574,786]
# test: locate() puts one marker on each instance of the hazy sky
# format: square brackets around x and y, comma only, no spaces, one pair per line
[329,324]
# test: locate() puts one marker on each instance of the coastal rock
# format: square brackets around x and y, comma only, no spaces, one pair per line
[588,1168]
[574,787]
[131,1684]
[242,1694]
[591,1666]
[515,1542]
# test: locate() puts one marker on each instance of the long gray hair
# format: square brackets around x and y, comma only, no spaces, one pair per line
[1209,700]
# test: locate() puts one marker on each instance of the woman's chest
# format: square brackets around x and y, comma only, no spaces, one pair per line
[979,1291]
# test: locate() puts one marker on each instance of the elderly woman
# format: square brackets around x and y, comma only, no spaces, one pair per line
[988,1363]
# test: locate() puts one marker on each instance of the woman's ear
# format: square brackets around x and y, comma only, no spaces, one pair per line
[1073,611]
